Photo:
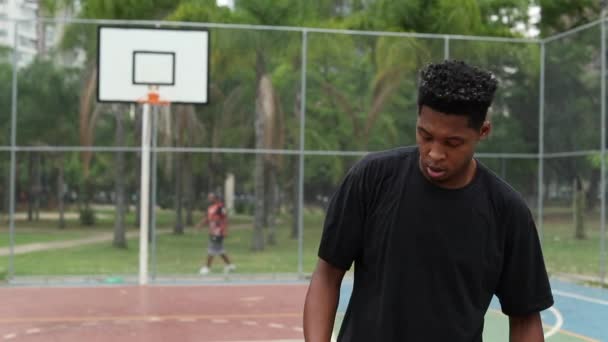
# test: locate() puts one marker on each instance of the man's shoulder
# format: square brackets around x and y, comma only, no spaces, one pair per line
[501,191]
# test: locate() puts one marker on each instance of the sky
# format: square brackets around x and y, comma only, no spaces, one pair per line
[534,13]
[227,3]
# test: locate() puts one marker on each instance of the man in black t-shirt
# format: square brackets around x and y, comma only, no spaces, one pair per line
[433,233]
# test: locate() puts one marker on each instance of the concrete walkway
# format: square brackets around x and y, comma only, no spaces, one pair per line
[43,246]
[97,238]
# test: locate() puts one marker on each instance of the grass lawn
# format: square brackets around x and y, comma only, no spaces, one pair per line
[46,229]
[27,237]
[183,254]
[565,254]
[176,254]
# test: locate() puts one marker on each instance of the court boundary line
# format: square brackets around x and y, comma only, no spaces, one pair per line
[559,322]
[66,319]
[561,330]
[580,297]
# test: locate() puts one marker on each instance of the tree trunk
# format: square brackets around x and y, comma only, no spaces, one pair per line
[262,102]
[60,194]
[37,186]
[592,191]
[188,172]
[85,132]
[30,192]
[579,209]
[272,204]
[189,189]
[120,239]
[257,243]
[295,208]
[179,225]
[7,195]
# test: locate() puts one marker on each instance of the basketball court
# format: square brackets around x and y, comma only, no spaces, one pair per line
[234,312]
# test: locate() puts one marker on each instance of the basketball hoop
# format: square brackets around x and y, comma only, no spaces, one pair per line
[153,98]
[132,60]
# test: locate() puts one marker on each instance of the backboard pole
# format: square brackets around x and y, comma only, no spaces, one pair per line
[144,214]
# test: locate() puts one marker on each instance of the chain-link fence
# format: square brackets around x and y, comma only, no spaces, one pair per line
[70,167]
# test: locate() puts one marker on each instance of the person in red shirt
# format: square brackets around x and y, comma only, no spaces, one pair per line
[217,220]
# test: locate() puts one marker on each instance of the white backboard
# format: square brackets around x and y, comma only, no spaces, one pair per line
[130,59]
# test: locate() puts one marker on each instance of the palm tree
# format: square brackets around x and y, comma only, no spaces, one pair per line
[81,37]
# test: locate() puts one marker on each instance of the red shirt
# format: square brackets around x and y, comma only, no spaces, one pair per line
[218,222]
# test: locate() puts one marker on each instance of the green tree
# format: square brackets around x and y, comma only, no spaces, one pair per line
[50,89]
[562,15]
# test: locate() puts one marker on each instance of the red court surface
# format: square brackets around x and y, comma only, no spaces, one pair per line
[153,313]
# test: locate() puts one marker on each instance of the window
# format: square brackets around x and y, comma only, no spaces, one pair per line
[27,43]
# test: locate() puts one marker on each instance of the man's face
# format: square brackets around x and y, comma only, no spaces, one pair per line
[447,144]
[211,198]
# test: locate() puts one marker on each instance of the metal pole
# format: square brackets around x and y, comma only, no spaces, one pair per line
[155,112]
[446,47]
[302,142]
[130,22]
[541,141]
[11,210]
[603,157]
[145,196]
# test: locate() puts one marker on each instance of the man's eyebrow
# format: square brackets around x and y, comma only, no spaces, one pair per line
[423,130]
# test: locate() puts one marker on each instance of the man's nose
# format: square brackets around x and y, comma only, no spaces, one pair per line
[436,153]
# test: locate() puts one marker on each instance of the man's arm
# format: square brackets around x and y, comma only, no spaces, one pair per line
[201,223]
[322,302]
[526,328]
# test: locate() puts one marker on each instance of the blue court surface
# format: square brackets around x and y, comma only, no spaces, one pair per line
[580,313]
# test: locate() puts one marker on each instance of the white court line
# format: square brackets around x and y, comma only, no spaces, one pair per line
[186,320]
[89,324]
[580,297]
[559,322]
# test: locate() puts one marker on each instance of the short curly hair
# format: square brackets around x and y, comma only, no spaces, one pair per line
[456,88]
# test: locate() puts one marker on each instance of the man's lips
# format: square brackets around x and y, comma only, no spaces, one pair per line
[435,172]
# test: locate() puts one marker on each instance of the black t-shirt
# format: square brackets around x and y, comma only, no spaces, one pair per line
[427,259]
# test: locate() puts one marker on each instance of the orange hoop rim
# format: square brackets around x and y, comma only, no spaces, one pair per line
[154,99]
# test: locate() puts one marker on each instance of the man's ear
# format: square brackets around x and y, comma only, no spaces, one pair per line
[485,130]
